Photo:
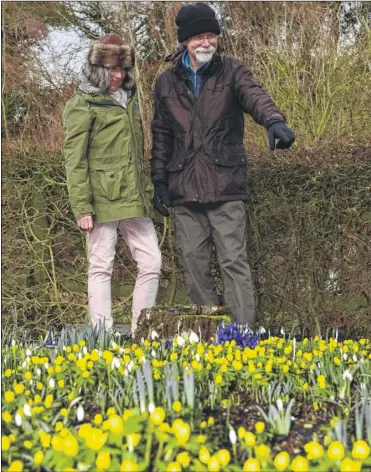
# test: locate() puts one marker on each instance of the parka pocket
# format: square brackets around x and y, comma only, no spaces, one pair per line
[231,172]
[176,178]
[110,184]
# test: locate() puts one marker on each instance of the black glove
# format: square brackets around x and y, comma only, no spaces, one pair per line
[278,130]
[161,199]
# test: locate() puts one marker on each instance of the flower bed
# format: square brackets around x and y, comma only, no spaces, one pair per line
[187,405]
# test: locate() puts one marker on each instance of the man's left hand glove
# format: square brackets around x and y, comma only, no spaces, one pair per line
[279,130]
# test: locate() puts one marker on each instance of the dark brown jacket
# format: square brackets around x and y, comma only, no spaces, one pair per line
[198,142]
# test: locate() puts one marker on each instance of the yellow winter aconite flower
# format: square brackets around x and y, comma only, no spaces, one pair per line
[5,443]
[361,450]
[98,419]
[218,379]
[348,465]
[282,461]
[58,426]
[314,450]
[27,444]
[103,460]
[250,439]
[241,432]
[213,464]
[70,445]
[336,451]
[49,401]
[300,464]
[259,427]
[38,457]
[204,455]
[114,424]
[96,439]
[251,465]
[223,456]
[321,379]
[181,431]
[183,459]
[263,453]
[16,466]
[45,439]
[28,375]
[111,411]
[174,467]
[19,389]
[9,396]
[6,416]
[128,466]
[157,416]
[177,406]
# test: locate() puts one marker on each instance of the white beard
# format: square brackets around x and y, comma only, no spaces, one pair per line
[204,55]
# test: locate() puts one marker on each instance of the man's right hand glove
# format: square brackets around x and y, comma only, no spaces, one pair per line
[161,198]
[278,129]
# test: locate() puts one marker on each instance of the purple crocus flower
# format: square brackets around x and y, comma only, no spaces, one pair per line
[240,333]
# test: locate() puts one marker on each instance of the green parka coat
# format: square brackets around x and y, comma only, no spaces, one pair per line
[103,148]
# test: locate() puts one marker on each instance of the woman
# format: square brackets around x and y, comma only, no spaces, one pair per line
[107,185]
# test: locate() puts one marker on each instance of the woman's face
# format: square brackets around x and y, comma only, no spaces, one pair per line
[117,75]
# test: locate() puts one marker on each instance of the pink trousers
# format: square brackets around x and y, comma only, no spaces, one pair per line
[140,236]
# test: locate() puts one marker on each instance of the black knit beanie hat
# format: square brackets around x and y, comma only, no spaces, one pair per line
[196,19]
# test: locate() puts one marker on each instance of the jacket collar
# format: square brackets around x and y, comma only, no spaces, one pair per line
[176,60]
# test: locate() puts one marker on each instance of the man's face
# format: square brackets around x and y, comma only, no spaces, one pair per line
[202,47]
[117,75]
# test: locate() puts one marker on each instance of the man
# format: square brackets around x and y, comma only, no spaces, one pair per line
[198,160]
[107,185]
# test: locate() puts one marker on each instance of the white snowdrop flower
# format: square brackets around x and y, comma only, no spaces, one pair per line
[100,353]
[32,383]
[347,375]
[262,330]
[46,365]
[113,344]
[280,404]
[193,338]
[130,366]
[362,361]
[64,348]
[126,373]
[154,335]
[121,350]
[151,407]
[24,364]
[345,356]
[18,419]
[198,358]
[180,341]
[115,363]
[28,353]
[80,413]
[117,334]
[232,436]
[153,353]
[84,350]
[38,372]
[355,358]
[51,383]
[79,355]
[13,342]
[27,409]
[282,332]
